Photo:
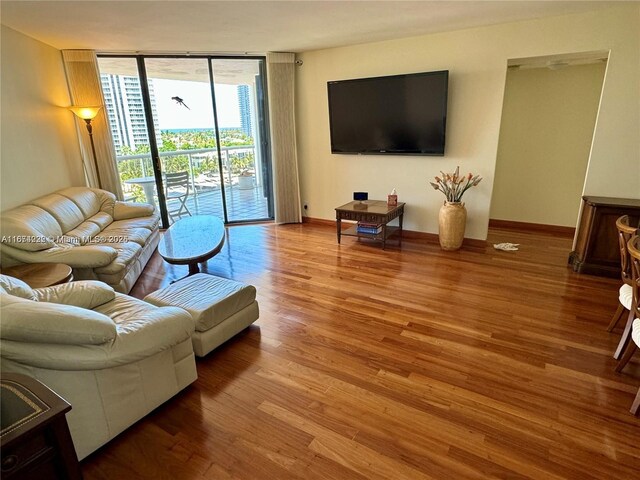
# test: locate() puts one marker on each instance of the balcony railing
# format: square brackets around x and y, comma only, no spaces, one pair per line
[245,197]
[202,165]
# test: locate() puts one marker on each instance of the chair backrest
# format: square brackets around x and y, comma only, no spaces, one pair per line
[178,179]
[625,232]
[634,254]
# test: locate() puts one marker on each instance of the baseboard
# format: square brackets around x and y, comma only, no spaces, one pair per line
[556,230]
[318,221]
[470,243]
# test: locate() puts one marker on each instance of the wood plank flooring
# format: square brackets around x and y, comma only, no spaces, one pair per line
[408,363]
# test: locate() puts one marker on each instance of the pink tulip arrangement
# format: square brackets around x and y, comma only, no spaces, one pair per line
[453,185]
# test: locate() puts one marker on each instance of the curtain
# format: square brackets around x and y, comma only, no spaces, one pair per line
[85,89]
[281,87]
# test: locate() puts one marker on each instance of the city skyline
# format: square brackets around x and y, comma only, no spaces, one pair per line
[125,110]
[244,105]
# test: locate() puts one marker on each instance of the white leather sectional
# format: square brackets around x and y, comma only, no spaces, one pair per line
[85,228]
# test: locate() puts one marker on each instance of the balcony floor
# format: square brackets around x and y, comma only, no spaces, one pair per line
[242,204]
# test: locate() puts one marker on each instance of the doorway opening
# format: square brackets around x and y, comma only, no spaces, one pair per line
[548,119]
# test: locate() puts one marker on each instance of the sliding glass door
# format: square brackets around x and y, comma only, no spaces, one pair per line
[190,134]
[246,173]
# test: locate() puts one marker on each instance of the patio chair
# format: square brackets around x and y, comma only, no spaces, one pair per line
[177,191]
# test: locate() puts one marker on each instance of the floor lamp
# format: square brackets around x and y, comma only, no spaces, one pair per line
[87,114]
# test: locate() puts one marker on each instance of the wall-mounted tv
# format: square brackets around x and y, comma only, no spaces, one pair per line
[394,115]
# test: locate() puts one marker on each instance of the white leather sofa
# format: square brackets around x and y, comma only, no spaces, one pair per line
[112,357]
[86,228]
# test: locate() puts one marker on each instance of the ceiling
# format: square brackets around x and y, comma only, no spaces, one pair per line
[237,71]
[257,26]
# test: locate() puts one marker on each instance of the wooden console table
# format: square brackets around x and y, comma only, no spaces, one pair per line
[371,211]
[597,251]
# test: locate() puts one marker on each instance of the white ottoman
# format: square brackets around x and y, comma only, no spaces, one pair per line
[221,308]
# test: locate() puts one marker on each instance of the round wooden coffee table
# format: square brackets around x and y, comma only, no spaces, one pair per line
[192,240]
[39,275]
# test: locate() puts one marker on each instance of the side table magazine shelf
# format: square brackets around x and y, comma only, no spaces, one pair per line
[369,228]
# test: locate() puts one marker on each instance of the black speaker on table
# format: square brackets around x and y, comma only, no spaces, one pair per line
[360,196]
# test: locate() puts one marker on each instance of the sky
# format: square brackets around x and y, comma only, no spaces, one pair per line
[197,96]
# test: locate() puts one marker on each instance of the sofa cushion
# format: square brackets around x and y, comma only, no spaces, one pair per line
[66,213]
[16,287]
[84,233]
[29,228]
[84,294]
[116,233]
[128,252]
[42,322]
[86,199]
[151,222]
[101,219]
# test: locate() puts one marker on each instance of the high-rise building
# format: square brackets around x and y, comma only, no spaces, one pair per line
[125,109]
[244,102]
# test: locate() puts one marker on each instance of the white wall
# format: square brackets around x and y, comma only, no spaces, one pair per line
[545,139]
[477,60]
[39,150]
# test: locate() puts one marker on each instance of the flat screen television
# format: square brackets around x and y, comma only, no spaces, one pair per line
[394,115]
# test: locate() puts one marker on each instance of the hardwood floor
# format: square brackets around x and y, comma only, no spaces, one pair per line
[408,363]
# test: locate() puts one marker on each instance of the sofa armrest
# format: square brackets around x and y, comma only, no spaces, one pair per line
[76,256]
[127,210]
[84,294]
[151,332]
[143,337]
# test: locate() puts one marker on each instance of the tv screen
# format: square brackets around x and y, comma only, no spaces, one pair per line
[395,115]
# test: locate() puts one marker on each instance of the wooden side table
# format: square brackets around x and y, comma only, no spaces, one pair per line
[39,275]
[35,442]
[373,211]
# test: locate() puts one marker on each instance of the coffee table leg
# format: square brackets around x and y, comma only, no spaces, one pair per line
[338,228]
[400,225]
[193,268]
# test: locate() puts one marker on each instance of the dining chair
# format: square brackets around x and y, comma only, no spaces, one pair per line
[177,189]
[633,247]
[625,232]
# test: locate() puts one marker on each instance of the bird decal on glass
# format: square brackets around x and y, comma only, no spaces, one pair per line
[179,101]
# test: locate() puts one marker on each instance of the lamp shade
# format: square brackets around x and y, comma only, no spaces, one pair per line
[86,113]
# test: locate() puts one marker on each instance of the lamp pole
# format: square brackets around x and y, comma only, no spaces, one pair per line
[93,150]
[87,114]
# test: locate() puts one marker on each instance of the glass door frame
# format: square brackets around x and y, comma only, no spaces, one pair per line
[262,123]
